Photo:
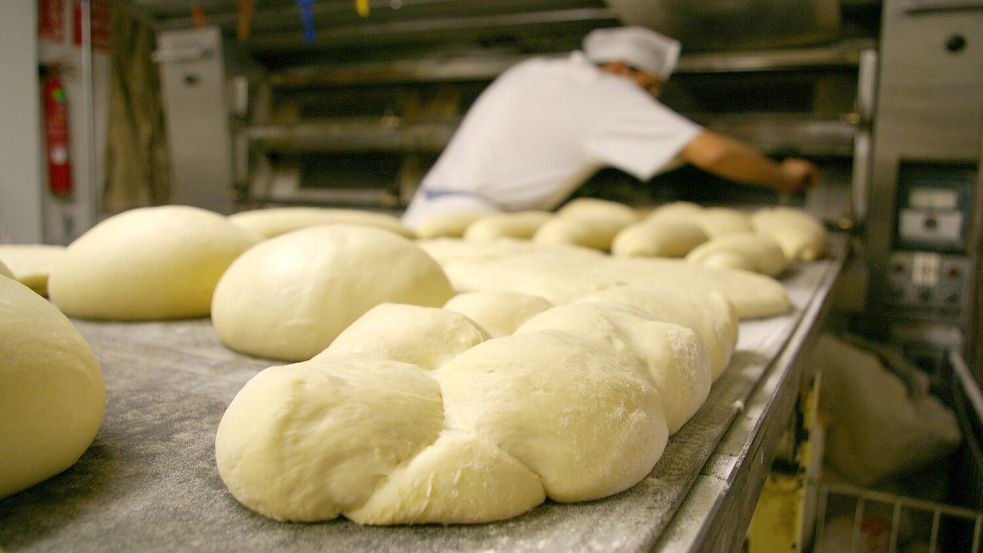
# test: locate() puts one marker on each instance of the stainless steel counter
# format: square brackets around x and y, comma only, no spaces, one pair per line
[149,482]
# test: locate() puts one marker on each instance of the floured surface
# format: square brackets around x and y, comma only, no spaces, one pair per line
[149,481]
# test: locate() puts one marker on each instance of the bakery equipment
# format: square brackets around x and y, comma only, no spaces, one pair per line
[924,238]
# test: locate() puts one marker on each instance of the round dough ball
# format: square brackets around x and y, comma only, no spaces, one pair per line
[31,263]
[147,264]
[498,312]
[574,414]
[271,222]
[290,296]
[666,237]
[305,442]
[52,395]
[671,357]
[424,336]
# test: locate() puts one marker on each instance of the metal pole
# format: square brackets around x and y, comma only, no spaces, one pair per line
[93,195]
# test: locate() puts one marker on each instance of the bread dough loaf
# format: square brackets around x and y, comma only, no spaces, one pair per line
[31,263]
[424,336]
[596,233]
[801,236]
[744,250]
[520,224]
[717,221]
[671,357]
[275,221]
[594,208]
[562,276]
[450,225]
[659,237]
[147,264]
[498,312]
[52,395]
[675,210]
[290,296]
[709,314]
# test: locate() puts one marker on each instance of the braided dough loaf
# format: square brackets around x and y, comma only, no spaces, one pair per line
[564,412]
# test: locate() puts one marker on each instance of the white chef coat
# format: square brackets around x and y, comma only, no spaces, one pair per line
[543,128]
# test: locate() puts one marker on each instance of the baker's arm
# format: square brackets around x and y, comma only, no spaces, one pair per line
[734,160]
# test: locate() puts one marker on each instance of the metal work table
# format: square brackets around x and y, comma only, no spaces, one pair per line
[149,482]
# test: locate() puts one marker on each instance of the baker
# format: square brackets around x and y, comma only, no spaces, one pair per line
[546,125]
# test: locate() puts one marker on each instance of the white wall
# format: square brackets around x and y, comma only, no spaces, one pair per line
[20,126]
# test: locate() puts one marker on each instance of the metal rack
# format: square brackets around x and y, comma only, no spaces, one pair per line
[874,521]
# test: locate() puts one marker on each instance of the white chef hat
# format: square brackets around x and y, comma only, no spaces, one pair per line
[638,47]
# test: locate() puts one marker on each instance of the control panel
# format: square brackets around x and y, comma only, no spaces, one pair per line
[929,268]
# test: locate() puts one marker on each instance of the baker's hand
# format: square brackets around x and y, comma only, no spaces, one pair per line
[800,175]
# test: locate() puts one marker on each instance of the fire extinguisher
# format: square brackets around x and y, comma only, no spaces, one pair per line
[56,127]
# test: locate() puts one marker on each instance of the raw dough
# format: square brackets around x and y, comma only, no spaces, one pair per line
[5,271]
[147,264]
[290,296]
[709,314]
[31,263]
[801,236]
[499,312]
[451,225]
[565,275]
[717,221]
[275,221]
[594,208]
[596,233]
[671,357]
[424,336]
[571,411]
[675,210]
[52,395]
[743,250]
[658,237]
[308,441]
[519,224]
[571,414]
[460,478]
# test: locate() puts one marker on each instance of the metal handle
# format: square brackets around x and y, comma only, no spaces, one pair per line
[864,116]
